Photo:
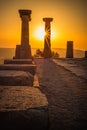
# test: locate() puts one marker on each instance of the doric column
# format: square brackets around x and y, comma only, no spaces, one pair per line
[47,38]
[69,50]
[23,51]
[25,17]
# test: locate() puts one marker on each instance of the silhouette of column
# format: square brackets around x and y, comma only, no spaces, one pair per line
[69,51]
[85,54]
[23,51]
[47,42]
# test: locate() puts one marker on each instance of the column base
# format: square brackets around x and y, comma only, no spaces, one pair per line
[23,52]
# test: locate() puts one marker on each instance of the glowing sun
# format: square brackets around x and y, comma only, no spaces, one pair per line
[40,33]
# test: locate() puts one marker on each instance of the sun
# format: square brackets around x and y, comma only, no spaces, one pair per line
[40,33]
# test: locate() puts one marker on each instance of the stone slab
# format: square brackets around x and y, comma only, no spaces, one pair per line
[18,61]
[23,108]
[16,78]
[21,67]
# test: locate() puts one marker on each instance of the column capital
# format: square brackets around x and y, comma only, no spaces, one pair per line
[47,19]
[27,13]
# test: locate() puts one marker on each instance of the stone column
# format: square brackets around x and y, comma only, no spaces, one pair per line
[69,51]
[85,54]
[23,51]
[25,17]
[47,39]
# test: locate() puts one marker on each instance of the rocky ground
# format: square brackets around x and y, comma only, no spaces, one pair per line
[66,92]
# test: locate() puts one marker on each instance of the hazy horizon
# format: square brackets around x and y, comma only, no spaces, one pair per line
[41,48]
[10,52]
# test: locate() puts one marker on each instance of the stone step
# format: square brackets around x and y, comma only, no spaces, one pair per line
[16,78]
[21,67]
[23,108]
[18,61]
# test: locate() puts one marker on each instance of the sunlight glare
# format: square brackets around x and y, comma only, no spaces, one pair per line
[40,33]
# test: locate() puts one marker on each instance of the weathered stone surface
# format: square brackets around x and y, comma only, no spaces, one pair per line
[23,108]
[17,61]
[21,67]
[16,78]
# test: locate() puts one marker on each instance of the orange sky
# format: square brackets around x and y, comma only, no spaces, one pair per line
[70,22]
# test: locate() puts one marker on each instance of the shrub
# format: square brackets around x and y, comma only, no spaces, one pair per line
[55,54]
[39,53]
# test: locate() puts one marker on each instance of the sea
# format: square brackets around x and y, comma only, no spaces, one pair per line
[8,53]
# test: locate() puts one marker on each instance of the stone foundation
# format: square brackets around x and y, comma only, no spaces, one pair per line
[23,52]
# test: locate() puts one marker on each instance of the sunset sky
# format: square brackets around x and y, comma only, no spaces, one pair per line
[69,22]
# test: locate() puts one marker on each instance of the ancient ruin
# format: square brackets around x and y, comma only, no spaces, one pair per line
[47,42]
[22,105]
[69,51]
[22,61]
[23,51]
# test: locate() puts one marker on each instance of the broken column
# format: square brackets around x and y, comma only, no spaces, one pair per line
[69,51]
[47,42]
[23,51]
[85,54]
